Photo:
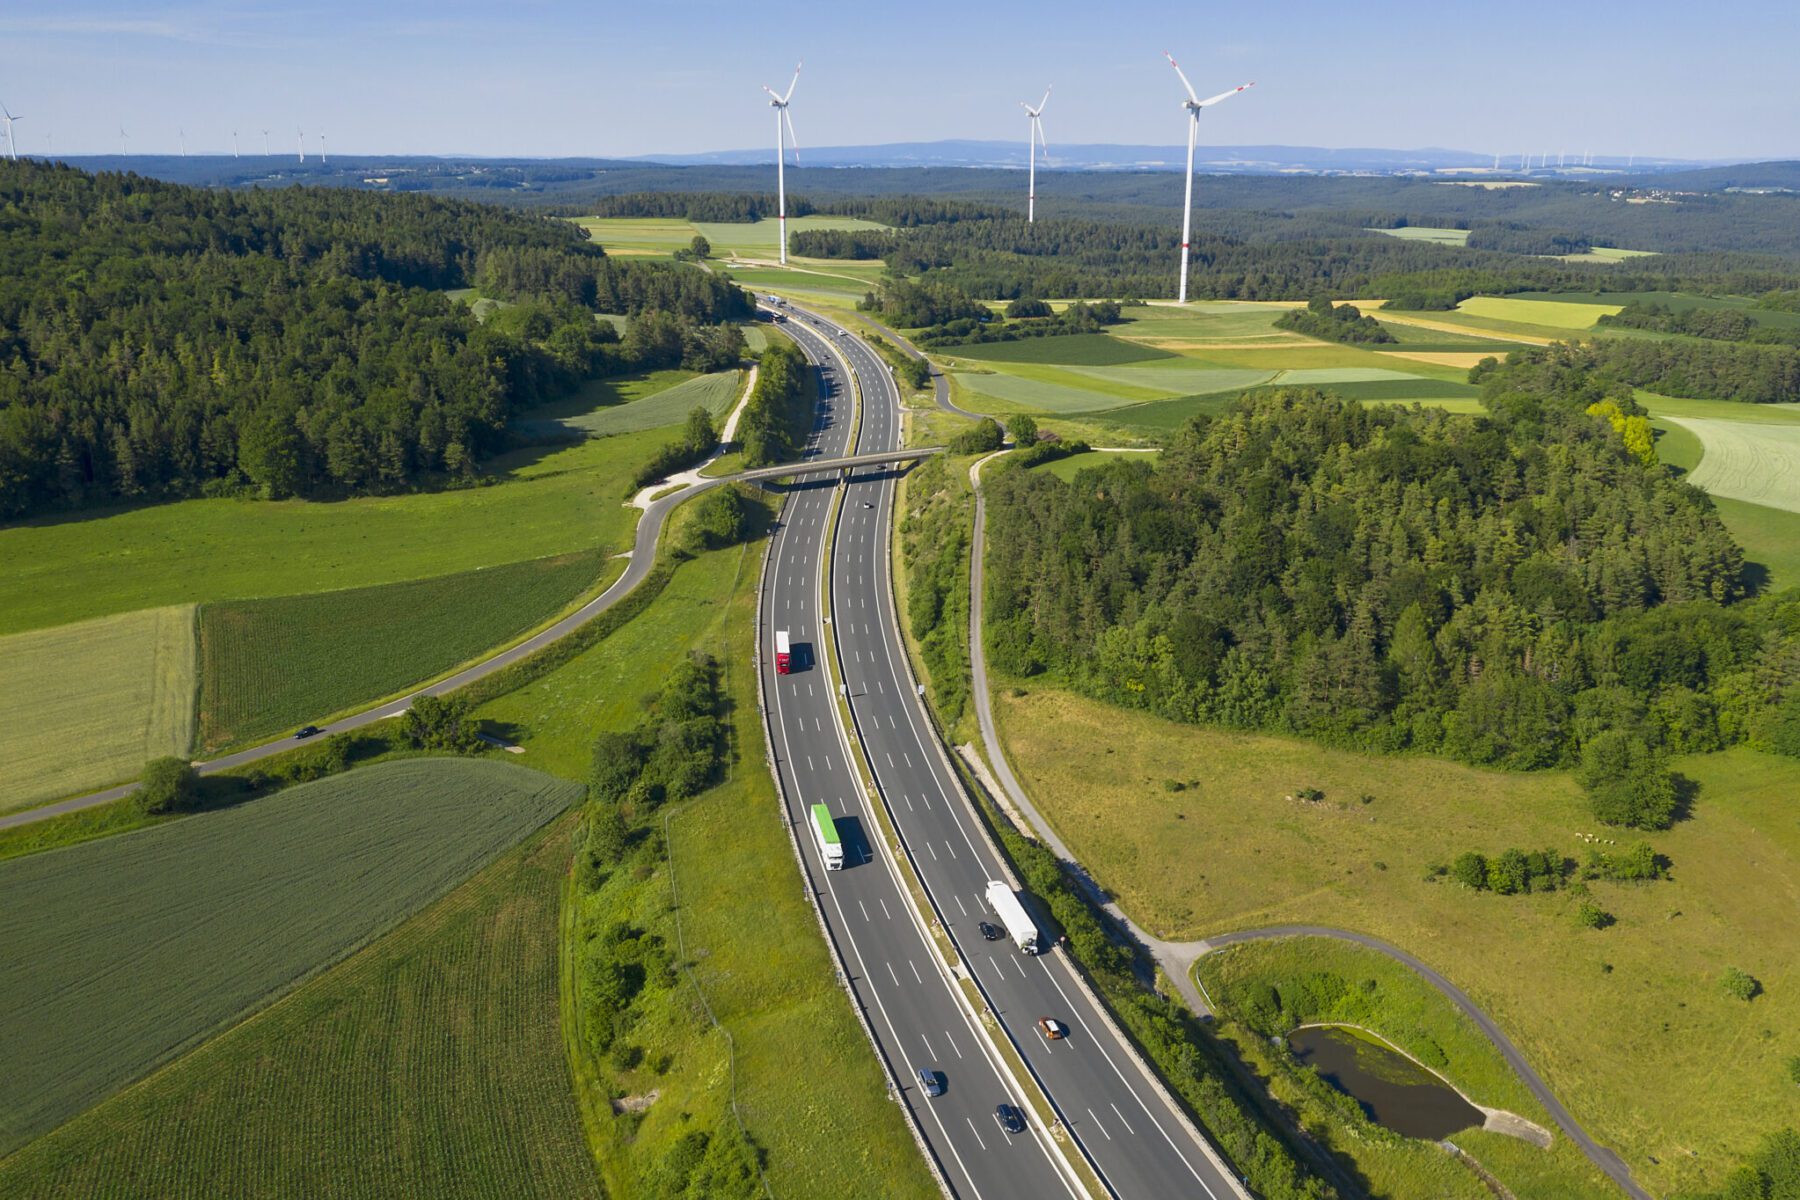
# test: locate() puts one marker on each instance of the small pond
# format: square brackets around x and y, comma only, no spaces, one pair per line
[1394,1091]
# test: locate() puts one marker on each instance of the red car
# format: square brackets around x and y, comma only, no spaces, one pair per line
[1053,1030]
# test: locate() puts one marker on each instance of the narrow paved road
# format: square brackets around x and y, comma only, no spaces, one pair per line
[1177,958]
[643,558]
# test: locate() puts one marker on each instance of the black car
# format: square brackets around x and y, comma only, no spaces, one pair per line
[1010,1118]
[989,932]
[306,731]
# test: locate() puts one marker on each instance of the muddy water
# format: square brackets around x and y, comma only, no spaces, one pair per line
[1394,1091]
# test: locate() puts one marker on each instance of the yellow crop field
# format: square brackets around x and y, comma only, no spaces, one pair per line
[1537,312]
[87,704]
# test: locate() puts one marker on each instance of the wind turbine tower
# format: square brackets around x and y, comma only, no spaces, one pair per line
[182,134]
[1033,139]
[321,147]
[124,142]
[300,142]
[12,147]
[1193,105]
[234,152]
[784,129]
[265,143]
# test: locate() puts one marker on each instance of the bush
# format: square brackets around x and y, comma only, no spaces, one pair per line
[720,518]
[1471,870]
[1024,430]
[441,723]
[1740,984]
[984,438]
[1027,307]
[1592,916]
[168,785]
[1627,783]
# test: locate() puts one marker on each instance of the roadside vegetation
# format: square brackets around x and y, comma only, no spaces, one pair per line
[118,954]
[430,1061]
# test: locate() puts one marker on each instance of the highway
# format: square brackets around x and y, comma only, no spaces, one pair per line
[1139,1142]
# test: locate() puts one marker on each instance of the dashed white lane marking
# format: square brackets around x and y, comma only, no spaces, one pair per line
[934,856]
[884,908]
[865,909]
[953,1044]
[1123,1121]
[896,978]
[976,1132]
[1097,1124]
[950,847]
[959,903]
[929,1052]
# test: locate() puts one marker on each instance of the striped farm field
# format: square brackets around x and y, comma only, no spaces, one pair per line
[429,1063]
[270,664]
[1536,312]
[87,704]
[119,954]
[1747,461]
[605,407]
[1078,349]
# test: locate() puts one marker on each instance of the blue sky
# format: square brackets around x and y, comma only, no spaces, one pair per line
[547,77]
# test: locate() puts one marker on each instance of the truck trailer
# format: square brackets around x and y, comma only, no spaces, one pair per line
[783,652]
[825,833]
[1012,914]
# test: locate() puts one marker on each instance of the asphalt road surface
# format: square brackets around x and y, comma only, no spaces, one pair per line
[1141,1144]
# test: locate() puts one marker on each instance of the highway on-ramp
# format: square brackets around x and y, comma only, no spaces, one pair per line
[1138,1140]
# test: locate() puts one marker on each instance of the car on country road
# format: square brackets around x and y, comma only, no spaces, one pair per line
[931,1081]
[988,932]
[306,731]
[1052,1029]
[1010,1119]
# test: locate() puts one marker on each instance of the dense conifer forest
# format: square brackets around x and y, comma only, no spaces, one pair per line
[1503,589]
[160,341]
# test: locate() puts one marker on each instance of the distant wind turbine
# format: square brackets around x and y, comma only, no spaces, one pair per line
[124,142]
[182,134]
[234,152]
[321,147]
[1033,139]
[300,141]
[1193,105]
[12,147]
[784,129]
[265,143]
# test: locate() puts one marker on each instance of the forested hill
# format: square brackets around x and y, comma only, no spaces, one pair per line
[1500,589]
[159,340]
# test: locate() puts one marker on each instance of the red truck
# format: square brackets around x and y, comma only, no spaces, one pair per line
[783,654]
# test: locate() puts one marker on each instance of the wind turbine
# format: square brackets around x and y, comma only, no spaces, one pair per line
[1032,141]
[265,143]
[300,141]
[182,134]
[1193,105]
[124,142]
[321,147]
[784,128]
[234,152]
[12,147]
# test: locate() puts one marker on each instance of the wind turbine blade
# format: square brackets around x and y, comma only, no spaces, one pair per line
[773,94]
[1226,95]
[1044,101]
[792,140]
[794,83]
[1184,79]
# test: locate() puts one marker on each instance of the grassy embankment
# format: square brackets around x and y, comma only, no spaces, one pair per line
[748,252]
[750,938]
[1628,1024]
[117,955]
[634,403]
[90,702]
[429,1062]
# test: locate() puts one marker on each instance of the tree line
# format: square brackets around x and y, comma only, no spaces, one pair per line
[1516,589]
[163,341]
[1702,321]
[1334,323]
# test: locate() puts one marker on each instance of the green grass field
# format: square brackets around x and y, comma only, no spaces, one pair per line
[1770,537]
[118,954]
[1207,322]
[1380,994]
[1067,468]
[1628,1025]
[429,1063]
[1085,349]
[548,501]
[267,665]
[1756,463]
[1677,301]
[1428,233]
[87,704]
[1556,314]
[655,401]
[663,235]
[750,935]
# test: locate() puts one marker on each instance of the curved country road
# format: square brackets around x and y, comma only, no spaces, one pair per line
[1177,958]
[643,558]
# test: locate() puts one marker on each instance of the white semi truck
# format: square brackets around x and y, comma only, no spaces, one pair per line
[1012,914]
